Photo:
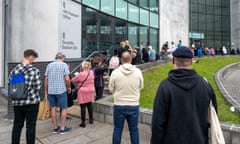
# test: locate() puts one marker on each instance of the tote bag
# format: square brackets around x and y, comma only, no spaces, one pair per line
[214,131]
[44,110]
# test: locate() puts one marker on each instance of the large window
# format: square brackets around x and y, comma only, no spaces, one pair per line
[107,6]
[89,31]
[154,20]
[144,3]
[153,5]
[91,3]
[144,16]
[143,34]
[133,13]
[121,9]
[108,22]
[153,37]
[133,34]
[211,18]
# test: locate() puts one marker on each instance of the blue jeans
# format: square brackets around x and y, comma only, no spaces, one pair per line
[131,114]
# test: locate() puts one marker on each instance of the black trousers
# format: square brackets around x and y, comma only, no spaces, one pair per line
[28,112]
[99,92]
[83,111]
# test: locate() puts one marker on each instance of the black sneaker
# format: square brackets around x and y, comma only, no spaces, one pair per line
[83,125]
[65,130]
[56,130]
[91,121]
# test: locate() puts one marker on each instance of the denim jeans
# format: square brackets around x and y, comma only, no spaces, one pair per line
[131,114]
[28,112]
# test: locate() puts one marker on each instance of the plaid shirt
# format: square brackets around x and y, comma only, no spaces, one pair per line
[32,82]
[56,72]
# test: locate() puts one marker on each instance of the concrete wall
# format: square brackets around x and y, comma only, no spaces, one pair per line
[174,21]
[235,23]
[1,42]
[33,24]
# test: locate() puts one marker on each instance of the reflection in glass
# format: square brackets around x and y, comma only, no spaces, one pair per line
[107,6]
[143,34]
[153,37]
[212,18]
[133,1]
[154,20]
[132,35]
[121,9]
[120,31]
[153,5]
[91,3]
[105,42]
[144,17]
[133,13]
[89,30]
[144,3]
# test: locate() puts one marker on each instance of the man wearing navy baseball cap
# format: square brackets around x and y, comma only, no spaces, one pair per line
[180,112]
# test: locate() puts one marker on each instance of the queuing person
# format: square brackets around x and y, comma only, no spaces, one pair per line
[145,55]
[172,48]
[179,44]
[122,48]
[86,91]
[180,112]
[128,46]
[57,85]
[200,52]
[114,62]
[125,83]
[138,58]
[26,108]
[212,51]
[142,45]
[99,69]
[152,54]
[224,50]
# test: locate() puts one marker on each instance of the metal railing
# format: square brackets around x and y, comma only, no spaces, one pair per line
[78,67]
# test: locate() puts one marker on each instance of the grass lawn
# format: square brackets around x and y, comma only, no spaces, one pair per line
[206,67]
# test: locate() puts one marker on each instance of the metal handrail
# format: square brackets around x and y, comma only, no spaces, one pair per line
[87,58]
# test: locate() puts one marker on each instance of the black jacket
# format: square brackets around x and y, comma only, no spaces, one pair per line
[98,75]
[145,56]
[180,114]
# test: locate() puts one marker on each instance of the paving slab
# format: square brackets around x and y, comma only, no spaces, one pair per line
[97,133]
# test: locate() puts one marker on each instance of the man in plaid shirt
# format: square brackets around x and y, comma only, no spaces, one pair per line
[57,85]
[27,108]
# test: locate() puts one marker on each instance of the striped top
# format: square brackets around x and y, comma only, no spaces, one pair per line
[56,72]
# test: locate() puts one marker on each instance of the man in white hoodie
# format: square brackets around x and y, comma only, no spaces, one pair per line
[125,84]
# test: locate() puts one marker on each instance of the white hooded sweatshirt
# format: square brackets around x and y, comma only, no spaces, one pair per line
[125,84]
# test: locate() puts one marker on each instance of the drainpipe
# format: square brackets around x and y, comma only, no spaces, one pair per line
[2,31]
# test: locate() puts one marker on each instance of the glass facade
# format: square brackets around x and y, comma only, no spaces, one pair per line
[105,23]
[210,23]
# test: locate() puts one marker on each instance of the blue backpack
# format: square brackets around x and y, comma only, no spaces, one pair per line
[17,87]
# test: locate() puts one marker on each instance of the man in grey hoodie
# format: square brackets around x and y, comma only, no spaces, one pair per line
[125,84]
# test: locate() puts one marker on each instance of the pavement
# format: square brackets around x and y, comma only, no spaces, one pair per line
[232,81]
[97,133]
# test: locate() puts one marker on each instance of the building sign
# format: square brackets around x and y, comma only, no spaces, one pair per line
[70,29]
[196,35]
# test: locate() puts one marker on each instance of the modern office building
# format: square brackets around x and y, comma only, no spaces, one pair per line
[210,24]
[79,27]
